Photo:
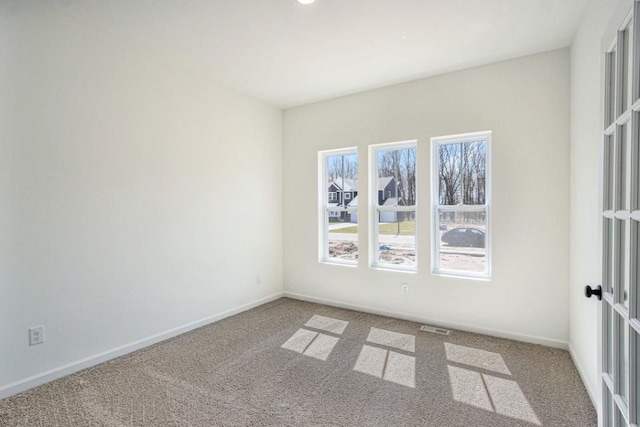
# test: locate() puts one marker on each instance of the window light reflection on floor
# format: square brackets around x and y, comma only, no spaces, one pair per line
[315,344]
[491,393]
[476,357]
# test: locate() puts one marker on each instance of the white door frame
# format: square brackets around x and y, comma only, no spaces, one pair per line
[620,218]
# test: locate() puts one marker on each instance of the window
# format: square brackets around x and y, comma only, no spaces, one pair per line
[461,201]
[338,228]
[394,205]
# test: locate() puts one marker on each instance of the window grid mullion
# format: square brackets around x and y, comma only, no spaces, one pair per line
[466,236]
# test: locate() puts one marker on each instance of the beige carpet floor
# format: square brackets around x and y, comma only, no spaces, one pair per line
[292,363]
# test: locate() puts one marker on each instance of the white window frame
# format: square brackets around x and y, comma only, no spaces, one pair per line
[325,211]
[347,196]
[335,196]
[437,208]
[375,209]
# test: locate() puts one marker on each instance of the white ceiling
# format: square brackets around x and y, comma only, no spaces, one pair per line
[288,54]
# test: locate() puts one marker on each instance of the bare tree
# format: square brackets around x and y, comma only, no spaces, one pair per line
[462,173]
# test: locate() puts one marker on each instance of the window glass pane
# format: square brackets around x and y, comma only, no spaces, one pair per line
[396,177]
[462,241]
[462,173]
[342,178]
[397,238]
[340,223]
[343,235]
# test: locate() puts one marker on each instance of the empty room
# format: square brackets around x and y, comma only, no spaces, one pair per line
[319,213]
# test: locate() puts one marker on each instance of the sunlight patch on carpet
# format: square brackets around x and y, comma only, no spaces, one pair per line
[477,358]
[300,340]
[371,361]
[388,365]
[321,347]
[401,369]
[467,387]
[310,343]
[335,326]
[392,339]
[493,394]
[509,399]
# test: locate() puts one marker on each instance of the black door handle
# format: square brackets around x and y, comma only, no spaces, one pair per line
[588,291]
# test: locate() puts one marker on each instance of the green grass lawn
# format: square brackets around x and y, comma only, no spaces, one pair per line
[407,228]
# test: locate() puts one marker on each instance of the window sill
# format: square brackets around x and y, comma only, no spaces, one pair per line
[450,275]
[338,263]
[394,270]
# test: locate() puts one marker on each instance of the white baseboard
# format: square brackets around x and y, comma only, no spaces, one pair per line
[548,342]
[62,371]
[592,393]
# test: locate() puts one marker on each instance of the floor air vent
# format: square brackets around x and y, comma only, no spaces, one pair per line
[434,329]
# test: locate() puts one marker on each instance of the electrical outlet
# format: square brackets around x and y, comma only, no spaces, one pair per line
[258,279]
[36,335]
[405,288]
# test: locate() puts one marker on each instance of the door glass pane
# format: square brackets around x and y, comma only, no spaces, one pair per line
[636,354]
[635,254]
[609,157]
[397,238]
[619,265]
[607,247]
[623,358]
[608,330]
[619,419]
[396,177]
[624,44]
[610,88]
[622,196]
[608,406]
[462,241]
[624,298]
[635,163]
[343,235]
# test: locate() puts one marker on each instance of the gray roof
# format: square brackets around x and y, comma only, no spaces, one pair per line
[384,181]
[352,184]
[349,184]
[393,201]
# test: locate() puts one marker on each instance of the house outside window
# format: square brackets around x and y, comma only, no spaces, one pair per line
[393,203]
[461,205]
[338,213]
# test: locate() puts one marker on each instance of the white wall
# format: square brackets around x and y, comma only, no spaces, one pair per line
[525,102]
[136,194]
[586,82]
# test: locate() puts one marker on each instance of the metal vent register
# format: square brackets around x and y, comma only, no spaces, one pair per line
[434,330]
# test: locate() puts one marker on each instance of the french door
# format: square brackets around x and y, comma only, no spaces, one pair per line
[620,338]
